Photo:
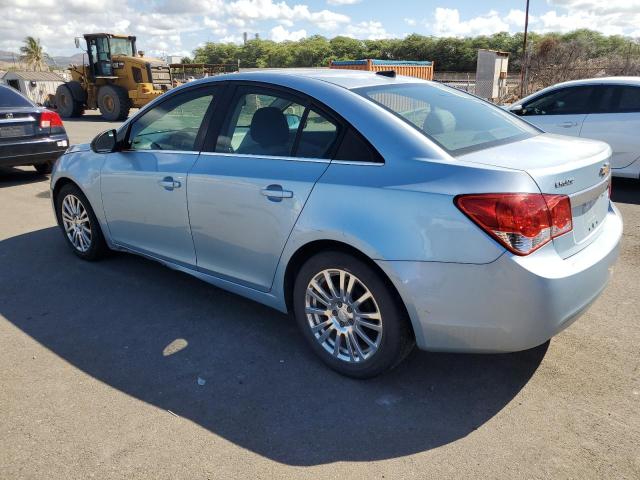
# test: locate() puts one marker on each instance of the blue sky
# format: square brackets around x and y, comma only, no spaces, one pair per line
[179,26]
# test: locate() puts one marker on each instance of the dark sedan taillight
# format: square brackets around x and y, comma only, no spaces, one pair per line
[522,222]
[50,122]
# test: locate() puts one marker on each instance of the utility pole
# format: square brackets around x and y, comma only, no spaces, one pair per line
[524,50]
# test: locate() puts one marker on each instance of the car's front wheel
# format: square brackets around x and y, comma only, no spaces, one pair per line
[350,316]
[79,223]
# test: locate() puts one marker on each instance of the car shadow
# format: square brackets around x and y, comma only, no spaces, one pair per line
[626,190]
[11,176]
[239,369]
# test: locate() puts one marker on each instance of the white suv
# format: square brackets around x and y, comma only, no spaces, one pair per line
[606,109]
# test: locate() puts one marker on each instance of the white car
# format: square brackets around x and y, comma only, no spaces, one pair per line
[606,109]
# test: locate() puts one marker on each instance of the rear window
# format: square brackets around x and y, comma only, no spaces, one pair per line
[11,98]
[458,122]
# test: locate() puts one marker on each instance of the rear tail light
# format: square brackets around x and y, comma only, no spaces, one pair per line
[52,121]
[522,222]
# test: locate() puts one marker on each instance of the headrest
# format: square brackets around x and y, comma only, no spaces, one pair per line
[269,127]
[439,121]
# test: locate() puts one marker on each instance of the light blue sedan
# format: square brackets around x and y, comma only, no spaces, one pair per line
[381,211]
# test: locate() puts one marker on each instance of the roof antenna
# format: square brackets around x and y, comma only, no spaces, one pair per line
[387,73]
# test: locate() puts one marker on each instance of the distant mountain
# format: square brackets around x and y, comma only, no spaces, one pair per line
[60,62]
[64,62]
[6,56]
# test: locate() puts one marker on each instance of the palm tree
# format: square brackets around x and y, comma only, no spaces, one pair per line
[33,54]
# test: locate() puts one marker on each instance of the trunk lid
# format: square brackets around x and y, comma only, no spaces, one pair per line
[578,168]
[16,123]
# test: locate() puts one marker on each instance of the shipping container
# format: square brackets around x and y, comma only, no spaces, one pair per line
[418,69]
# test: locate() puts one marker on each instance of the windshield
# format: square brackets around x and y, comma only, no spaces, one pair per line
[458,122]
[11,98]
[121,46]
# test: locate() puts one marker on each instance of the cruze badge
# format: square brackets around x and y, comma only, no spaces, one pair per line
[604,170]
[564,183]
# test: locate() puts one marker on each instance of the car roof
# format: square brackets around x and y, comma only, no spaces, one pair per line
[349,79]
[635,81]
[601,80]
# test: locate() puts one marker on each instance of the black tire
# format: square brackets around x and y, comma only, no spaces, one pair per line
[113,102]
[396,340]
[44,168]
[70,100]
[98,247]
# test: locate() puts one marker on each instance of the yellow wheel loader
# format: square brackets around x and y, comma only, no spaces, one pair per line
[113,78]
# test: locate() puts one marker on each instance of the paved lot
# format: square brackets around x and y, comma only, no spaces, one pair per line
[99,368]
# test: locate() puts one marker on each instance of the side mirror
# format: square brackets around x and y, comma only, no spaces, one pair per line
[77,40]
[517,109]
[105,142]
[293,121]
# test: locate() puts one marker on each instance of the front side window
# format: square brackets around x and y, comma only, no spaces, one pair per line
[455,120]
[172,125]
[565,101]
[272,124]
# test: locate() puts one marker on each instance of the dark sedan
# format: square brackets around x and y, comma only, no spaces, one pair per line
[29,135]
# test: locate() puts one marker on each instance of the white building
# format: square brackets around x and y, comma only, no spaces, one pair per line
[35,85]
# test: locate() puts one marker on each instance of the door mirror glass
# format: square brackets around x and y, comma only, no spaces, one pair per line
[77,40]
[293,121]
[105,142]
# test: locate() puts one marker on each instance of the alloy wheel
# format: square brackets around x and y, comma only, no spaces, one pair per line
[77,226]
[343,315]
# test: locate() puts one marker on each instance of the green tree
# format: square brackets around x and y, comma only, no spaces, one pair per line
[33,54]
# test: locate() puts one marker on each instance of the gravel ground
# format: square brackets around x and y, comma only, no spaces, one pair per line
[126,369]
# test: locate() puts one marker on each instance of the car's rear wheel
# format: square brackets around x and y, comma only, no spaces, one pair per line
[350,316]
[79,223]
[44,168]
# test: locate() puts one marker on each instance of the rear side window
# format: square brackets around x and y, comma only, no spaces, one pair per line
[629,99]
[11,98]
[565,101]
[317,137]
[354,148]
[455,120]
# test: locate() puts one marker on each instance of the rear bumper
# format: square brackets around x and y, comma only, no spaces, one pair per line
[511,304]
[33,151]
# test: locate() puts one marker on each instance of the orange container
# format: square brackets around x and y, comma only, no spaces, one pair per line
[416,69]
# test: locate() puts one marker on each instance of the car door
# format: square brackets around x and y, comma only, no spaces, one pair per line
[250,184]
[560,111]
[144,184]
[617,122]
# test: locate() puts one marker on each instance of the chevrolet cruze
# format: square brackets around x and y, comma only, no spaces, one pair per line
[381,211]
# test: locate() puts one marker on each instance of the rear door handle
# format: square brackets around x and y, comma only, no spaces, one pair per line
[568,124]
[276,193]
[168,183]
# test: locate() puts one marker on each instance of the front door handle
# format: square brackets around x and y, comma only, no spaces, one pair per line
[568,124]
[276,193]
[168,183]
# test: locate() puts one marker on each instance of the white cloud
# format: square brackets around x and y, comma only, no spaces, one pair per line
[410,21]
[343,2]
[371,30]
[280,34]
[447,22]
[609,17]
